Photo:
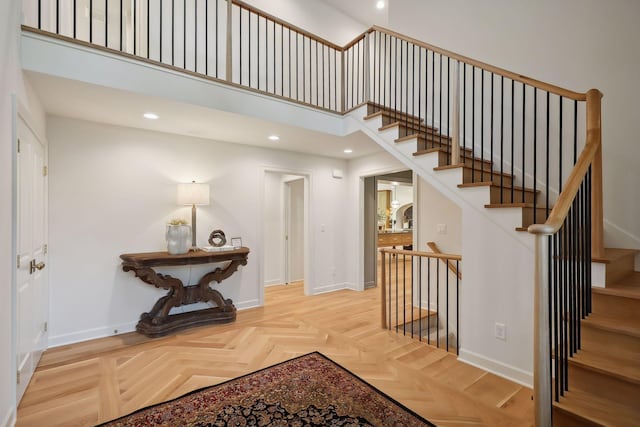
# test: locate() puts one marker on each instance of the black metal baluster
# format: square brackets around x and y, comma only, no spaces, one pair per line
[91,24]
[404,294]
[440,111]
[433,95]
[535,149]
[275,56]
[513,126]
[502,141]
[412,294]
[250,50]
[161,30]
[304,68]
[195,36]
[437,302]
[429,301]
[217,38]
[384,75]
[317,82]
[547,161]
[473,122]
[449,148]
[282,60]
[524,114]
[447,304]
[106,21]
[473,173]
[464,113]
[397,311]
[40,14]
[420,298]
[457,308]
[491,128]
[173,31]
[389,299]
[184,37]
[148,28]
[121,13]
[298,70]
[420,91]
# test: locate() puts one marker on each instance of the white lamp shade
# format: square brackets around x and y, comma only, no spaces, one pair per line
[193,194]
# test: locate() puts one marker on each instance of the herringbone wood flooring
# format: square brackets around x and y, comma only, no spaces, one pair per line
[95,381]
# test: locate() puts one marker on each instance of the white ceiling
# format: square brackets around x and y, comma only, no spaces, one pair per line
[70,98]
[362,11]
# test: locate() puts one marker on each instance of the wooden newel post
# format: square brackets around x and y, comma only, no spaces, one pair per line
[541,349]
[594,129]
[455,133]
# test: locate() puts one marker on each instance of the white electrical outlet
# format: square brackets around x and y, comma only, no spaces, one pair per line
[500,331]
[442,228]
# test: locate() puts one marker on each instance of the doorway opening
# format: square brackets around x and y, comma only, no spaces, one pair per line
[389,218]
[285,225]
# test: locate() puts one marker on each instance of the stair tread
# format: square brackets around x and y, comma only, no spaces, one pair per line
[515,205]
[624,369]
[477,169]
[613,254]
[598,409]
[432,137]
[442,150]
[493,184]
[622,325]
[621,289]
[426,129]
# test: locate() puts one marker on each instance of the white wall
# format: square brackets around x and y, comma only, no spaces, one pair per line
[112,190]
[10,80]
[584,45]
[314,16]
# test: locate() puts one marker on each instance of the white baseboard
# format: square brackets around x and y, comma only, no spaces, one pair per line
[509,372]
[90,334]
[107,331]
[353,286]
[10,419]
[245,305]
[274,282]
[330,288]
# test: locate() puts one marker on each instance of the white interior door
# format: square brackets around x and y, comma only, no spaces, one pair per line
[294,229]
[32,291]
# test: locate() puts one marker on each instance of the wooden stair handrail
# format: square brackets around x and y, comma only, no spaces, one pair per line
[487,67]
[434,247]
[288,25]
[422,254]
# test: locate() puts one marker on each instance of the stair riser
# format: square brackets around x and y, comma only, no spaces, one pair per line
[616,306]
[527,216]
[604,385]
[561,418]
[529,196]
[608,342]
[444,160]
[393,116]
[618,269]
[485,176]
[405,130]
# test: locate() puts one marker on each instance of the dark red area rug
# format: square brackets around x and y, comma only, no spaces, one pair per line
[310,390]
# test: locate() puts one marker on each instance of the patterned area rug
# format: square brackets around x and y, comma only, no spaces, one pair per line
[310,390]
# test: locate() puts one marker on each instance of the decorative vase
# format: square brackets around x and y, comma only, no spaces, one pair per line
[178,239]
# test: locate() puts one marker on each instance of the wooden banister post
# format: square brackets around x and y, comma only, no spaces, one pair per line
[455,137]
[229,64]
[594,127]
[383,289]
[541,331]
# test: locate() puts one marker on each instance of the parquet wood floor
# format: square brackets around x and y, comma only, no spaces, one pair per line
[91,382]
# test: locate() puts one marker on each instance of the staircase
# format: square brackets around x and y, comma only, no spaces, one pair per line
[431,149]
[604,385]
[604,376]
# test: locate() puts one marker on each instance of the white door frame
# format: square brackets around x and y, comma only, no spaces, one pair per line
[308,273]
[360,258]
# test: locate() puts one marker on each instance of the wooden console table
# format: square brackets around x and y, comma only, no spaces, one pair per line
[158,322]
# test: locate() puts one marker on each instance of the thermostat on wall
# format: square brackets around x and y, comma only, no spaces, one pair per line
[337,173]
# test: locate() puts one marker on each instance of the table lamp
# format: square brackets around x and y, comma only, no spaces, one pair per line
[193,194]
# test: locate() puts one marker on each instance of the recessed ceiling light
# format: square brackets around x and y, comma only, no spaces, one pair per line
[274,137]
[151,116]
[348,150]
[380,5]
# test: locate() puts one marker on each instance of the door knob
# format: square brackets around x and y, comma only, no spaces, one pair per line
[33,266]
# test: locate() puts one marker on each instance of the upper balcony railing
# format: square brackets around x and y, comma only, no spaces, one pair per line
[526,137]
